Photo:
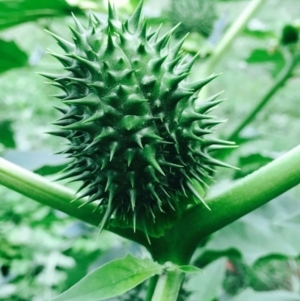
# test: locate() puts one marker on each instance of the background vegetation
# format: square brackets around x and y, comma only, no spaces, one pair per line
[43,252]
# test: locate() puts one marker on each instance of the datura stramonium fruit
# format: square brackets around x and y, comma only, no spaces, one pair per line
[137,138]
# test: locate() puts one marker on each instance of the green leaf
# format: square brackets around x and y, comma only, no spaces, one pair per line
[11,55]
[275,59]
[251,162]
[270,273]
[205,286]
[189,269]
[7,134]
[16,12]
[250,295]
[112,279]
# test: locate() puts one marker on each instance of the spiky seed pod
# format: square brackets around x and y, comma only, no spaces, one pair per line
[137,138]
[194,15]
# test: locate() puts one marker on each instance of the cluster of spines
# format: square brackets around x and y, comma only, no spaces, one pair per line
[135,132]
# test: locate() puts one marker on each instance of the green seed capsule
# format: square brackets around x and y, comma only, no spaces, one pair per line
[136,135]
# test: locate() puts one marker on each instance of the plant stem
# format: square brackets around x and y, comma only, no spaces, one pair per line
[56,196]
[179,242]
[239,199]
[281,79]
[151,287]
[168,286]
[228,38]
[45,192]
[230,35]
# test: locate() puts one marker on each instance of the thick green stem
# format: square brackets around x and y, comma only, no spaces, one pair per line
[241,198]
[244,196]
[56,196]
[45,192]
[179,242]
[168,286]
[281,79]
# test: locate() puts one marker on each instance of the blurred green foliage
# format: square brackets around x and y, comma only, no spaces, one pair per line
[20,11]
[9,61]
[194,16]
[43,252]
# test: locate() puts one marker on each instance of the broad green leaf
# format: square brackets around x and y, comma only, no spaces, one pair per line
[112,279]
[16,12]
[273,272]
[251,162]
[205,286]
[264,56]
[251,295]
[11,55]
[275,59]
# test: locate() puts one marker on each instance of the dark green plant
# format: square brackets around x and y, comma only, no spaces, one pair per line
[138,138]
[171,242]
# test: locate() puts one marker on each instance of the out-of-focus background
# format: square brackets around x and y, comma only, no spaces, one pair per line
[43,252]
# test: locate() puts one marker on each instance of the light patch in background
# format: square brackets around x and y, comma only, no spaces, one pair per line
[86,4]
[117,3]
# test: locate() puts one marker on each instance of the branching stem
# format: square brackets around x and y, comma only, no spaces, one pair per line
[239,199]
[228,38]
[56,196]
[230,35]
[281,79]
[178,243]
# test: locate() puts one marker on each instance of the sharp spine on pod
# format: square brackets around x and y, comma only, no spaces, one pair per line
[136,133]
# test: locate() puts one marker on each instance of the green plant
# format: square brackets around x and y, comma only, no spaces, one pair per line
[171,243]
[136,133]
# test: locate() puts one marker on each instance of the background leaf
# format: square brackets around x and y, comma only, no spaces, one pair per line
[11,55]
[268,230]
[274,58]
[252,162]
[251,295]
[6,134]
[112,279]
[20,11]
[189,269]
[205,286]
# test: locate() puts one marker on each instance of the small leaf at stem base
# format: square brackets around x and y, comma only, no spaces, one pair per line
[112,279]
